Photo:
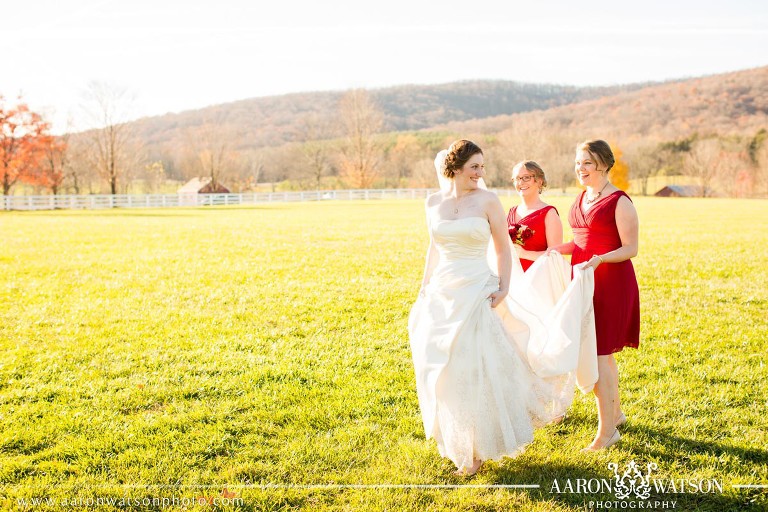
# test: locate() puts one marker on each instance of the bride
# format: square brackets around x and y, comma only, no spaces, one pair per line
[496,352]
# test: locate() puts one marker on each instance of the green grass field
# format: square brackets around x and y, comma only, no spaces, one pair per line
[148,354]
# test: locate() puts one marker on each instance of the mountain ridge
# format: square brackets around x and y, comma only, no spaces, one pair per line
[276,120]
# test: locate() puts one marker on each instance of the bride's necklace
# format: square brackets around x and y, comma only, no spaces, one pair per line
[456,200]
[589,200]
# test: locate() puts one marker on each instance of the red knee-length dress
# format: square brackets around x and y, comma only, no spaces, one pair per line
[617,297]
[535,221]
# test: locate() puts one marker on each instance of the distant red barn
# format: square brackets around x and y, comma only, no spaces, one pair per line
[202,186]
[685,191]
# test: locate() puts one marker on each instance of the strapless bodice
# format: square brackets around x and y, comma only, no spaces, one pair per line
[461,239]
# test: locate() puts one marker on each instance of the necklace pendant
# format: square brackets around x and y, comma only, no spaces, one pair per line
[455,210]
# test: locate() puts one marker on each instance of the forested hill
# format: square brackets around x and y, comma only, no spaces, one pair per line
[727,103]
[414,107]
[275,120]
[700,127]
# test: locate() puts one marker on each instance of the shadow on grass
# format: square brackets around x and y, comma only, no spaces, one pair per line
[671,442]
[560,482]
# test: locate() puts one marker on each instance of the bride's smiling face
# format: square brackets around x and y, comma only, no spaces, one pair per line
[469,175]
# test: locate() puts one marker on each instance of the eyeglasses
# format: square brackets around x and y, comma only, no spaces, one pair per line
[524,179]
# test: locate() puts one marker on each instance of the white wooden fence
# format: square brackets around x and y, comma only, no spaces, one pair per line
[51,202]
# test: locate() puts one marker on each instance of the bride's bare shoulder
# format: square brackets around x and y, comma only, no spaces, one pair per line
[487,196]
[434,199]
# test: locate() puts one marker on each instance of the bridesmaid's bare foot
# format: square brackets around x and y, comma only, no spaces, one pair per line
[602,444]
[470,470]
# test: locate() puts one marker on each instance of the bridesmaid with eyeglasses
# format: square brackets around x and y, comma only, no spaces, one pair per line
[533,225]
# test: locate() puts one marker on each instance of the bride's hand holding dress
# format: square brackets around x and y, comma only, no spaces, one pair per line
[479,397]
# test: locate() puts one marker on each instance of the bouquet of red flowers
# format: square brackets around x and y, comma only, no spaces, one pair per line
[519,233]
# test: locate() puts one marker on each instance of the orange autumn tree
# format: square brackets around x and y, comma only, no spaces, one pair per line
[620,172]
[51,164]
[21,132]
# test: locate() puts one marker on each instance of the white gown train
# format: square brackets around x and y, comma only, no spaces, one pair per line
[485,377]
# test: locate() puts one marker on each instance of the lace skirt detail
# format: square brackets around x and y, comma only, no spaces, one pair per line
[486,399]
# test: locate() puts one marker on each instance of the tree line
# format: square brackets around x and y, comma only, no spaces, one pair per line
[351,149]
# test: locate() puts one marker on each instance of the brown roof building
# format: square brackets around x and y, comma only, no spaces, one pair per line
[202,186]
[684,191]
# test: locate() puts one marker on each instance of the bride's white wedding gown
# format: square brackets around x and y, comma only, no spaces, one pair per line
[487,377]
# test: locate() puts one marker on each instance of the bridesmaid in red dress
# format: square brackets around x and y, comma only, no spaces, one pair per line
[533,215]
[605,237]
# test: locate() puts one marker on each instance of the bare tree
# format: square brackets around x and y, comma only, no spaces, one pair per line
[252,164]
[557,160]
[80,174]
[646,161]
[134,163]
[532,139]
[524,140]
[736,174]
[113,146]
[403,158]
[314,130]
[276,165]
[703,162]
[213,151]
[423,174]
[360,153]
[761,170]
[154,177]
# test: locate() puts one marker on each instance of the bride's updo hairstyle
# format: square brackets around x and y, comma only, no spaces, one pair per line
[600,151]
[459,154]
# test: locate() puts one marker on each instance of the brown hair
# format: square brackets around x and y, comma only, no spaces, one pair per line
[459,154]
[600,151]
[531,166]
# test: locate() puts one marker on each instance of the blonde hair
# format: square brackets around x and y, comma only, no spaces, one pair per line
[531,166]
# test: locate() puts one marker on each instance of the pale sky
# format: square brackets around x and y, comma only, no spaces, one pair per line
[175,55]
